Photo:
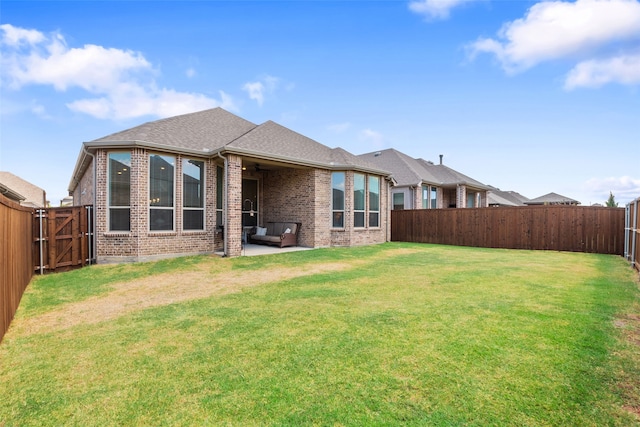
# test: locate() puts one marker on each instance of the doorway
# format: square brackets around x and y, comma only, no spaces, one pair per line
[250,208]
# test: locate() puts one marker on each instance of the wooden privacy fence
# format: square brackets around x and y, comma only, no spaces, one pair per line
[64,238]
[16,260]
[560,228]
[39,240]
[632,234]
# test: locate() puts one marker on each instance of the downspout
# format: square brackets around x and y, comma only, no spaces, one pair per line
[92,255]
[224,204]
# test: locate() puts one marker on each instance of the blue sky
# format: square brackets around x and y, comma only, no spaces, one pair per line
[529,96]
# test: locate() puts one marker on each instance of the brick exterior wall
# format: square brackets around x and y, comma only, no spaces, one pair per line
[299,195]
[287,194]
[233,231]
[83,193]
[139,243]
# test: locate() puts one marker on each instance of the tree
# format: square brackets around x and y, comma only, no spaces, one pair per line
[611,202]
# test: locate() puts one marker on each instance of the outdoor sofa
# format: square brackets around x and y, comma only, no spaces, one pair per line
[279,234]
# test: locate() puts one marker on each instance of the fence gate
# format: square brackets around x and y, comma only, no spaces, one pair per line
[63,238]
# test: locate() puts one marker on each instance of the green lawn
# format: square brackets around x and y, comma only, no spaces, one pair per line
[393,334]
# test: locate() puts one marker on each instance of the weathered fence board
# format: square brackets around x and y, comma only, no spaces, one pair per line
[16,261]
[560,228]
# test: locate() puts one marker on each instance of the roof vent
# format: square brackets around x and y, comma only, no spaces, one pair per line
[441,156]
[377,154]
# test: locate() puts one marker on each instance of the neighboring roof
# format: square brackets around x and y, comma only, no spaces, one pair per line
[32,195]
[409,171]
[217,131]
[552,199]
[496,196]
[9,193]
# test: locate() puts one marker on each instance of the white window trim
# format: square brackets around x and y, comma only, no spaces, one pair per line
[108,201]
[173,208]
[365,202]
[344,202]
[204,198]
[368,204]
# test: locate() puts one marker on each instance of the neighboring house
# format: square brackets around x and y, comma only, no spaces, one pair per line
[497,197]
[195,183]
[420,184]
[552,199]
[67,201]
[29,195]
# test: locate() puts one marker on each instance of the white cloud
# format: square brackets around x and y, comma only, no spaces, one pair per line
[258,89]
[339,127]
[595,73]
[556,29]
[372,137]
[434,9]
[624,188]
[121,80]
[255,91]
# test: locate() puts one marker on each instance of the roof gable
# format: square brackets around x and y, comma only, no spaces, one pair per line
[273,140]
[552,198]
[409,171]
[207,130]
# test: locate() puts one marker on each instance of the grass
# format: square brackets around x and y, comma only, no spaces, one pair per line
[399,334]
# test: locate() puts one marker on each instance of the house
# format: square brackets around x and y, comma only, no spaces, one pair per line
[196,183]
[421,184]
[552,199]
[497,197]
[22,191]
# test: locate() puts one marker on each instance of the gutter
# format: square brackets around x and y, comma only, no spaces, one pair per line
[225,229]
[92,248]
[205,152]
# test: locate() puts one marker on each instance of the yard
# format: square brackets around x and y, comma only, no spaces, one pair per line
[389,334]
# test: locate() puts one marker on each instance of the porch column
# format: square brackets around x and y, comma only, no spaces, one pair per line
[461,196]
[233,231]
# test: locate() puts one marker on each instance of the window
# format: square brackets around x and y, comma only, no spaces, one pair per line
[358,200]
[192,194]
[471,199]
[119,198]
[425,196]
[161,192]
[434,197]
[398,201]
[374,201]
[219,190]
[337,199]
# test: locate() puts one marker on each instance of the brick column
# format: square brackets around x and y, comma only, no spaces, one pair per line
[233,230]
[461,196]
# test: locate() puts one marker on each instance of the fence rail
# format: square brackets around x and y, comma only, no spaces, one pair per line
[632,234]
[39,240]
[63,238]
[16,260]
[561,228]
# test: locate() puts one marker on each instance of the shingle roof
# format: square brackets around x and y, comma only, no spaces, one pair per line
[273,140]
[208,129]
[409,171]
[217,131]
[552,198]
[505,198]
[34,196]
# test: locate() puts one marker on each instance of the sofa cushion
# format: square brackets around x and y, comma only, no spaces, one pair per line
[273,239]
